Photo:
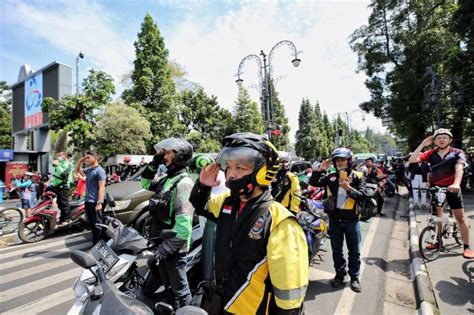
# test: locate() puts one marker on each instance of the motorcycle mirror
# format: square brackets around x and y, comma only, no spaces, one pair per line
[110,200]
[82,259]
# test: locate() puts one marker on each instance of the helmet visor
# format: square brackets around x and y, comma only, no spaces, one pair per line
[242,155]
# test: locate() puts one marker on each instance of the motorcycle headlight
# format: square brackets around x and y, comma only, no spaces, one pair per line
[119,205]
[80,289]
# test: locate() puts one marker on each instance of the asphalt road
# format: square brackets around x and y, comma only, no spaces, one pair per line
[38,278]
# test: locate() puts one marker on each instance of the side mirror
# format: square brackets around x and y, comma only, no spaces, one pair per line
[82,259]
[110,200]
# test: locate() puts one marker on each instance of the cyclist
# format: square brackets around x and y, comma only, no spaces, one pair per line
[447,167]
[286,185]
[261,251]
[346,187]
[170,208]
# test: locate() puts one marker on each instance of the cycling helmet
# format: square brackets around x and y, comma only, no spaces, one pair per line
[284,156]
[442,131]
[197,162]
[182,148]
[254,149]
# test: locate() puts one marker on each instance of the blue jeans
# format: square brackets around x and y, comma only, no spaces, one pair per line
[351,231]
[173,273]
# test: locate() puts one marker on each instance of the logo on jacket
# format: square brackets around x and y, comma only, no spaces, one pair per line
[332,178]
[257,228]
[227,209]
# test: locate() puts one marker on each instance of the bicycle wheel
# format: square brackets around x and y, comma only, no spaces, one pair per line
[10,219]
[456,234]
[429,238]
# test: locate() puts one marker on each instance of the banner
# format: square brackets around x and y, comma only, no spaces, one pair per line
[33,99]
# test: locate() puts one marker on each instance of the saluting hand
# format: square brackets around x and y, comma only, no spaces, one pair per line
[428,141]
[208,175]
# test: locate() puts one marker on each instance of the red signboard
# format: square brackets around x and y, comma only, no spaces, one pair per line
[14,170]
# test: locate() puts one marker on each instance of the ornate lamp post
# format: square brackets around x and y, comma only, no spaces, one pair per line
[265,78]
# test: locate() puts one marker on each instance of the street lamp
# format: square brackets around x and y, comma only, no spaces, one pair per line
[80,56]
[265,77]
[349,122]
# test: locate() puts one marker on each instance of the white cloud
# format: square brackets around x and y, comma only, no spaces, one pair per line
[72,26]
[319,29]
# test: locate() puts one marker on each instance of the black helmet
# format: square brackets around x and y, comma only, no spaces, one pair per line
[182,148]
[342,153]
[255,149]
[198,161]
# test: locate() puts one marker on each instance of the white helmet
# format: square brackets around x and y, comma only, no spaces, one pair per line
[442,131]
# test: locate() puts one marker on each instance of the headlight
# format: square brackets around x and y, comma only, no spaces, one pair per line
[119,205]
[80,289]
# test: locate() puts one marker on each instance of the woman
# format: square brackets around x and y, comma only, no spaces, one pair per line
[27,191]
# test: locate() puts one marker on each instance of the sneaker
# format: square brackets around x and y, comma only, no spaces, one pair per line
[355,285]
[424,207]
[468,253]
[381,214]
[432,246]
[337,281]
[416,207]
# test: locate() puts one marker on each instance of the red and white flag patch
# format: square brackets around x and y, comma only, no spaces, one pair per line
[227,209]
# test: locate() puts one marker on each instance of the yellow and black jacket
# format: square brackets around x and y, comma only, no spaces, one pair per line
[349,211]
[261,253]
[285,189]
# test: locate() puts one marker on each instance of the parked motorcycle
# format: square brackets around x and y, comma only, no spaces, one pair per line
[368,206]
[387,184]
[44,217]
[314,222]
[105,298]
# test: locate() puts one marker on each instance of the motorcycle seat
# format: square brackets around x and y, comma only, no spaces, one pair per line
[76,203]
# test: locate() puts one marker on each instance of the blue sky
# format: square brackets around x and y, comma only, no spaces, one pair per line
[208,38]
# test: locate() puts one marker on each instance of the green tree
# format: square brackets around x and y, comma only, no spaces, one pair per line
[202,144]
[5,116]
[247,117]
[121,129]
[281,141]
[75,114]
[306,141]
[153,91]
[330,137]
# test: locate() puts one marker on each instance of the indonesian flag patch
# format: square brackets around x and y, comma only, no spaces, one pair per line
[227,209]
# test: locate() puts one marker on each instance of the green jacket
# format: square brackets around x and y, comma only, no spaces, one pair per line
[63,174]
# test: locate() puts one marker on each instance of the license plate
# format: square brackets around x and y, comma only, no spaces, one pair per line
[104,255]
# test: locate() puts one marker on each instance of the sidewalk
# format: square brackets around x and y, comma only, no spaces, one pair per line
[451,275]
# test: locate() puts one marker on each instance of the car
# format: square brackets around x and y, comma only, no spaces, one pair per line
[299,167]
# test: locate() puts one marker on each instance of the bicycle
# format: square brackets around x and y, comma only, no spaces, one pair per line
[10,219]
[431,238]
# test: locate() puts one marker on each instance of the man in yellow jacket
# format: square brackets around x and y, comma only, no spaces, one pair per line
[261,254]
[286,186]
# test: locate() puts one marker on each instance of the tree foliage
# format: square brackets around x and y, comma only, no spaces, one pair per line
[281,141]
[247,117]
[5,116]
[153,91]
[121,129]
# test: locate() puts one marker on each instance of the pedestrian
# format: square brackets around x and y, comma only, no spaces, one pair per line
[80,190]
[170,208]
[345,187]
[61,183]
[447,167]
[286,187]
[419,173]
[261,259]
[373,176]
[27,190]
[95,191]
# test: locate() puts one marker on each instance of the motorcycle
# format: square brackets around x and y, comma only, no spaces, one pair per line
[314,193]
[387,184]
[44,217]
[368,206]
[105,298]
[131,271]
[314,222]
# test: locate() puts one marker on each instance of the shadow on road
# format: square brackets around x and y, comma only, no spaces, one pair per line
[458,292]
[316,288]
[398,266]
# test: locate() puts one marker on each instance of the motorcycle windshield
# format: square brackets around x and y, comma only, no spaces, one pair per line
[128,236]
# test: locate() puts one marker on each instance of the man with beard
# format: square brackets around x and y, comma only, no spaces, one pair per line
[286,186]
[447,167]
[261,252]
[95,191]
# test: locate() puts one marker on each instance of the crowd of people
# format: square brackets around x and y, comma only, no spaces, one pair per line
[257,252]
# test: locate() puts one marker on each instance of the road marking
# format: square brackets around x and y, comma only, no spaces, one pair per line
[346,302]
[44,303]
[319,275]
[40,246]
[41,256]
[33,271]
[39,284]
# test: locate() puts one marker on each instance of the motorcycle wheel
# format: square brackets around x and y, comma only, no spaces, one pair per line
[143,224]
[33,231]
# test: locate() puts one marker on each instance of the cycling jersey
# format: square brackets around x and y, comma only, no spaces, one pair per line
[443,169]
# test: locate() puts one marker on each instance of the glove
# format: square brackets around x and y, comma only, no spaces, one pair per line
[157,160]
[160,254]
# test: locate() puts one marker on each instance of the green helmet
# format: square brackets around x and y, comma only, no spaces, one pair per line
[198,161]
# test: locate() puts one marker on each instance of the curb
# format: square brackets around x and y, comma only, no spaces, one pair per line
[425,298]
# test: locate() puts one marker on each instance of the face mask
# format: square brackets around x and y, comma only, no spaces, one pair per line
[241,186]
[60,158]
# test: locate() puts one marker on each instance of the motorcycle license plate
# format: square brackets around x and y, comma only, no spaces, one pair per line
[104,255]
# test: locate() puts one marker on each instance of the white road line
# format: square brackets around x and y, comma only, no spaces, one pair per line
[26,260]
[40,246]
[319,275]
[40,284]
[346,302]
[44,303]
[26,273]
